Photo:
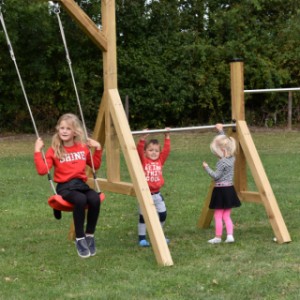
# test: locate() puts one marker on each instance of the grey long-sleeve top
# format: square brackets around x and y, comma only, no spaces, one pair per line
[224,171]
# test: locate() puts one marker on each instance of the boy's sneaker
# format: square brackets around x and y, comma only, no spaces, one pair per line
[144,243]
[91,244]
[215,240]
[82,248]
[229,239]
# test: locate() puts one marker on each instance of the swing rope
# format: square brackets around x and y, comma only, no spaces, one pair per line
[11,51]
[56,10]
[56,201]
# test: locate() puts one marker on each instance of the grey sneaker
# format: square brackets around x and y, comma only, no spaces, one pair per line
[91,244]
[82,248]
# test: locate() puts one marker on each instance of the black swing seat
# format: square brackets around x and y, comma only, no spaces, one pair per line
[57,202]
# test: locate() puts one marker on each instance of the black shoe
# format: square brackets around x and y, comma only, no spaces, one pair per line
[57,214]
[82,248]
[91,244]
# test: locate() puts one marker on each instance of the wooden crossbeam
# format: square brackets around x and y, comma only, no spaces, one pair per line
[85,23]
[124,188]
[252,197]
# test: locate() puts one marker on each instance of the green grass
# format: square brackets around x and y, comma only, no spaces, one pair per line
[38,262]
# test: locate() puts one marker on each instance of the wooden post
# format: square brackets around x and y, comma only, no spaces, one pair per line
[127,106]
[206,215]
[238,113]
[290,105]
[110,82]
[71,234]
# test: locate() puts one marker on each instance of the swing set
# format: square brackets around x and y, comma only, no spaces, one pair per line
[112,130]
[55,201]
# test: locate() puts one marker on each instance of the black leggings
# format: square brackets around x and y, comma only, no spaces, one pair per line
[80,200]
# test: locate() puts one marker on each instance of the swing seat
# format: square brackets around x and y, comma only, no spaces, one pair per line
[57,202]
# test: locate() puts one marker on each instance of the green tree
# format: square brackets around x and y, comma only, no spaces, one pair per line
[172,60]
[40,54]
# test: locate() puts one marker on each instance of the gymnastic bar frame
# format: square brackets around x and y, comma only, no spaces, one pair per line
[180,129]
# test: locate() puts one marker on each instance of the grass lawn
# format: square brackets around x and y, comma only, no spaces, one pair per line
[37,261]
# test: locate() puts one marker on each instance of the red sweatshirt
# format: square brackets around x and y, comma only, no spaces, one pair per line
[153,168]
[72,166]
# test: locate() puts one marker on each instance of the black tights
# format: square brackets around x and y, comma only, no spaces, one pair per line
[80,200]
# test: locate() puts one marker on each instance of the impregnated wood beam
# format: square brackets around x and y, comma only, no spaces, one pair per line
[262,183]
[252,197]
[85,23]
[120,187]
[157,238]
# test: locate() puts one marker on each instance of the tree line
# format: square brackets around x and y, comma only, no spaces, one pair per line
[173,61]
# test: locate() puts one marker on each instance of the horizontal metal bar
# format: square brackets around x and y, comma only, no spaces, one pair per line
[271,90]
[180,129]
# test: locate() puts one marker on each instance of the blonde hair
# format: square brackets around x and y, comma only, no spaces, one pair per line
[221,143]
[74,122]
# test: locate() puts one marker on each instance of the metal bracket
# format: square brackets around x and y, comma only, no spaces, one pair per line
[55,7]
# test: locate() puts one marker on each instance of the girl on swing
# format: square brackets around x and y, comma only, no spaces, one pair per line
[224,196]
[69,155]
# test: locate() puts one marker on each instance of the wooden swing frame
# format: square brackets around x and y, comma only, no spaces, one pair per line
[113,131]
[247,153]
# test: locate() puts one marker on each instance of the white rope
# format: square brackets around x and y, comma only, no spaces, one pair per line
[56,10]
[11,51]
